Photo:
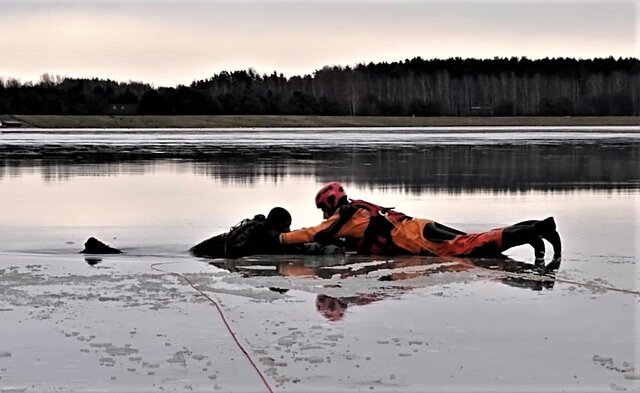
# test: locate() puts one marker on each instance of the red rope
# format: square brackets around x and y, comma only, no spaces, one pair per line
[215,303]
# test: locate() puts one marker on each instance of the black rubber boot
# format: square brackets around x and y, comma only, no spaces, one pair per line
[523,233]
[547,230]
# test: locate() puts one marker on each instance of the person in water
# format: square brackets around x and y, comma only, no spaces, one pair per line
[258,235]
[372,229]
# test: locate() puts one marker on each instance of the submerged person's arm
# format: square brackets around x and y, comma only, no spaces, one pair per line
[353,227]
[314,248]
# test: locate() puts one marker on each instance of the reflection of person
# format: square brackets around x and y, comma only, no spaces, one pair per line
[407,267]
[333,308]
[330,307]
[258,235]
[527,276]
[373,229]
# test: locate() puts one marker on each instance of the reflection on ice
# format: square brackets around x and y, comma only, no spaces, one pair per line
[405,272]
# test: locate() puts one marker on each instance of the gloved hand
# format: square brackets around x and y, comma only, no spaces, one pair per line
[330,249]
[315,248]
[310,248]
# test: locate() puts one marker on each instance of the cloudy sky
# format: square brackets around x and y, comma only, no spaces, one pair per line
[171,42]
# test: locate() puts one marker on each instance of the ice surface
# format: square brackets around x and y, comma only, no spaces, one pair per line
[451,331]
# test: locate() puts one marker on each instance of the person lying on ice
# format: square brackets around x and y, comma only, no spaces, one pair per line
[258,235]
[371,229]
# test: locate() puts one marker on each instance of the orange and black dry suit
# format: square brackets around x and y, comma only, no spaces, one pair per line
[378,230]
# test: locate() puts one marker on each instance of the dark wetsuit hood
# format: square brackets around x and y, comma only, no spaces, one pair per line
[280,219]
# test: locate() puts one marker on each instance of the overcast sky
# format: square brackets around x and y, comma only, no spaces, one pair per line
[170,42]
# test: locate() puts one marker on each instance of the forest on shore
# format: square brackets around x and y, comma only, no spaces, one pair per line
[413,87]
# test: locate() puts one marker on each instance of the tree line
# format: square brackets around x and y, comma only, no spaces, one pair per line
[413,87]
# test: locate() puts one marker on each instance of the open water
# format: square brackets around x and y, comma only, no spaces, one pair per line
[406,324]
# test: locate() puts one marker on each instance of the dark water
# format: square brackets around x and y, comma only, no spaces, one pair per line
[491,167]
[183,187]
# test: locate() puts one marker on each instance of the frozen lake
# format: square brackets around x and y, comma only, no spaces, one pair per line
[409,324]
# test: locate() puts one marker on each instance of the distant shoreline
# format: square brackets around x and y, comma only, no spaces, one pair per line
[249,121]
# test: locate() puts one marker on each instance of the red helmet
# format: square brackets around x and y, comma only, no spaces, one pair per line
[330,197]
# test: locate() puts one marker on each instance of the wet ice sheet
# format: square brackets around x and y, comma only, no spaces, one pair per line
[119,325]
[71,327]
